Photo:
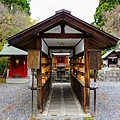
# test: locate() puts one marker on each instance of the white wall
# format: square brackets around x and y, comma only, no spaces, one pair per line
[79,48]
[50,54]
[71,53]
[44,47]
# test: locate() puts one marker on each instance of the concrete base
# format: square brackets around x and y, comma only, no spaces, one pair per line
[17,80]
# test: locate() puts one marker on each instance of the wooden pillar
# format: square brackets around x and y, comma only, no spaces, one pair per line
[95,74]
[39,77]
[87,77]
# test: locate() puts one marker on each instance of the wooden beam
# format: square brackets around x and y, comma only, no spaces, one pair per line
[62,25]
[87,77]
[95,49]
[99,43]
[90,29]
[63,35]
[39,78]
[61,47]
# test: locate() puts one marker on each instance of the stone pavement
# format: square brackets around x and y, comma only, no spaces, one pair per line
[62,103]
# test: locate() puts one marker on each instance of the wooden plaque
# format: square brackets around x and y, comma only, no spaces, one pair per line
[95,60]
[34,59]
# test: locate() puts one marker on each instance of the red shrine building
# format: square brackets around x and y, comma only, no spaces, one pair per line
[61,61]
[61,67]
[17,71]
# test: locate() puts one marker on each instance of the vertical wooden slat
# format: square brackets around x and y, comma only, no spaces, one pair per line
[87,77]
[75,83]
[39,77]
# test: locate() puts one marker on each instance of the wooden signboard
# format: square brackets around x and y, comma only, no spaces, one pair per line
[95,60]
[34,59]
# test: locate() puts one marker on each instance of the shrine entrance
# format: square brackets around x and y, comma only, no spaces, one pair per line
[64,33]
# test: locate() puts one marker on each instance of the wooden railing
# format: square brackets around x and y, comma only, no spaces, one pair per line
[78,88]
[46,88]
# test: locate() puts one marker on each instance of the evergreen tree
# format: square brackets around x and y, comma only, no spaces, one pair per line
[112,21]
[107,18]
[104,6]
[18,4]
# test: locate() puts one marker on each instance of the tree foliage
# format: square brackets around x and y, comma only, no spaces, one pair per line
[107,18]
[104,6]
[3,66]
[12,22]
[18,4]
[112,21]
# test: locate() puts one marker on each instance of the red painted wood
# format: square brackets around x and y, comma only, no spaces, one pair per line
[20,69]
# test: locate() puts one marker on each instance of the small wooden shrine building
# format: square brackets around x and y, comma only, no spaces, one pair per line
[112,58]
[67,33]
[17,71]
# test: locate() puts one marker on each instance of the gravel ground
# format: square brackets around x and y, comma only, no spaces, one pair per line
[15,101]
[108,101]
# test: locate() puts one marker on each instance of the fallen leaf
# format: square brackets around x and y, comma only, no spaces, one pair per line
[8,108]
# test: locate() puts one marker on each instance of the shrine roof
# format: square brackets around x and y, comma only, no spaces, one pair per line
[62,26]
[12,51]
[110,52]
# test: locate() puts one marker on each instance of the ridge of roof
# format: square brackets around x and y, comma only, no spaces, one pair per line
[63,10]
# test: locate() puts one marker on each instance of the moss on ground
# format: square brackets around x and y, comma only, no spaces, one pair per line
[2,80]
